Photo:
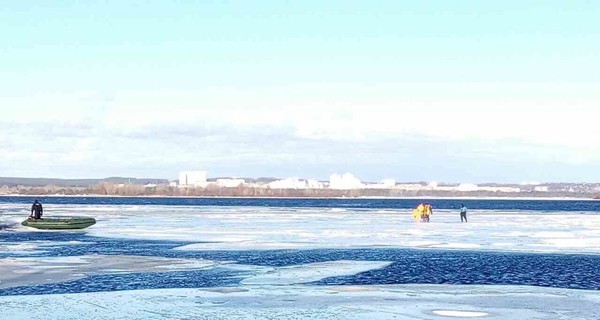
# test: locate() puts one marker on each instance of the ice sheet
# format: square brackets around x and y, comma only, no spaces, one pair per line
[282,293]
[310,302]
[33,247]
[273,228]
[257,228]
[312,272]
[41,270]
[460,314]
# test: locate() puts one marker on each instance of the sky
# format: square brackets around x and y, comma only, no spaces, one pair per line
[452,91]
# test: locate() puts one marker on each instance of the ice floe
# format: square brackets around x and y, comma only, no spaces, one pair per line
[258,228]
[313,302]
[284,292]
[261,228]
[460,314]
[312,272]
[41,270]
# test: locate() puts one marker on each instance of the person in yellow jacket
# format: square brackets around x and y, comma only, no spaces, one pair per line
[416,215]
[421,208]
[418,212]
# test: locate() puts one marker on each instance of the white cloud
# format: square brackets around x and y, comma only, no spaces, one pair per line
[289,125]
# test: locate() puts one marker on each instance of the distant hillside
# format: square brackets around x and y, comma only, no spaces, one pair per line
[40,182]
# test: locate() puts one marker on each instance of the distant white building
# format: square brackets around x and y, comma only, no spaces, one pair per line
[314,184]
[530,183]
[409,186]
[289,183]
[541,189]
[192,178]
[347,181]
[230,183]
[466,187]
[499,189]
[374,186]
[388,183]
[384,184]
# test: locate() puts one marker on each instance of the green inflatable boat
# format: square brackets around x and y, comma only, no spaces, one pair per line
[63,223]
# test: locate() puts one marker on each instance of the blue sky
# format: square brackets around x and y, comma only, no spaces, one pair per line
[414,90]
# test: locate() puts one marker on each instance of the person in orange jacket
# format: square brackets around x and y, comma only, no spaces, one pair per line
[427,211]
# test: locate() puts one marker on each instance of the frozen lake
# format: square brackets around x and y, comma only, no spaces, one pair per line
[244,262]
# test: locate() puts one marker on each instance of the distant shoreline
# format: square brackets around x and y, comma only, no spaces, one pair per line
[315,198]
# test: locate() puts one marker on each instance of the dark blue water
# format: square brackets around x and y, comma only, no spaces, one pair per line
[535,205]
[408,266]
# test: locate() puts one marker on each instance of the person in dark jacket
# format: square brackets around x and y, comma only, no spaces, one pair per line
[36,210]
[463,213]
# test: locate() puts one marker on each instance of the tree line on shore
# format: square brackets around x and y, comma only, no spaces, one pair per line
[113,189]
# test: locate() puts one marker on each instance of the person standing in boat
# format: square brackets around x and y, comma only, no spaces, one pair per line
[36,210]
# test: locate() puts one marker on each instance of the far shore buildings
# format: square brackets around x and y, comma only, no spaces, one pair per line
[462,187]
[314,184]
[230,182]
[192,179]
[289,183]
[296,183]
[348,181]
[384,184]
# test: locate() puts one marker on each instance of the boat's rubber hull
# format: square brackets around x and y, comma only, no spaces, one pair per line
[70,223]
